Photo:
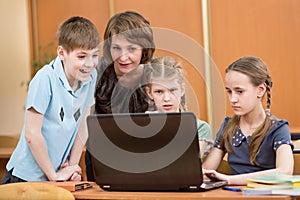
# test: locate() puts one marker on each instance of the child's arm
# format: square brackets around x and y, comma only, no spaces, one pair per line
[35,139]
[202,146]
[213,159]
[80,140]
[284,164]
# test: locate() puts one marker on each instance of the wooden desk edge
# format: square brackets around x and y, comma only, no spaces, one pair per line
[218,194]
[5,152]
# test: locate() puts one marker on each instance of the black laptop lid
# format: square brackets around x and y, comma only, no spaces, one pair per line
[145,151]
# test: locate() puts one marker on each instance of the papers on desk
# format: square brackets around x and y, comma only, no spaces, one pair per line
[279,184]
[256,191]
[275,180]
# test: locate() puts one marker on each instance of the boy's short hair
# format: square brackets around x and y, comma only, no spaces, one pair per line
[78,32]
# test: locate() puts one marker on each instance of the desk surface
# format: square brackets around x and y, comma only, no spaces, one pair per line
[5,152]
[217,194]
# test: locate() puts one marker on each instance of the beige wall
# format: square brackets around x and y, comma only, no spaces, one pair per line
[15,64]
[182,21]
[268,29]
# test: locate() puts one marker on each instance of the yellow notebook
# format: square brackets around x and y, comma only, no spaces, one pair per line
[274,181]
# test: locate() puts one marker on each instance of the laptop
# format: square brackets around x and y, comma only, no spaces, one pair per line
[146,152]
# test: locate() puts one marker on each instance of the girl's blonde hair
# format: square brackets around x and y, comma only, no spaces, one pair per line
[164,68]
[258,73]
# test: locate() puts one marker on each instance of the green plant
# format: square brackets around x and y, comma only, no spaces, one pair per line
[46,54]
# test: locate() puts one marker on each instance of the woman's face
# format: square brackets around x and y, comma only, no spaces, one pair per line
[126,55]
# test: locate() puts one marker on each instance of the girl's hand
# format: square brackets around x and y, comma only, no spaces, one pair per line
[213,175]
[205,178]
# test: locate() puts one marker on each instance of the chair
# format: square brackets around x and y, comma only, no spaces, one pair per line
[82,165]
[296,144]
[296,154]
[224,167]
[296,164]
[33,191]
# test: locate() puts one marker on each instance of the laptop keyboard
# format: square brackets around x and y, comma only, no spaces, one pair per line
[213,184]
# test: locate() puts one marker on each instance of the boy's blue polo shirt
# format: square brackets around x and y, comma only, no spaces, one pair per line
[51,95]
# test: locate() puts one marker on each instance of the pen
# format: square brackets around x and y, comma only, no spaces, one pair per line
[232,189]
[82,186]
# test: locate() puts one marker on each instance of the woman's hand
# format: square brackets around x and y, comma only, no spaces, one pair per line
[132,78]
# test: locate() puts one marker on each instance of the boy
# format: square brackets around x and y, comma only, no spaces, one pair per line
[59,99]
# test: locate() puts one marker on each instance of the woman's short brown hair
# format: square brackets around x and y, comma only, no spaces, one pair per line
[135,28]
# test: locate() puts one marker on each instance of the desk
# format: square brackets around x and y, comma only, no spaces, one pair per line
[217,194]
[5,152]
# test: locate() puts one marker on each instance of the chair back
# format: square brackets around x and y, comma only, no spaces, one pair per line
[33,190]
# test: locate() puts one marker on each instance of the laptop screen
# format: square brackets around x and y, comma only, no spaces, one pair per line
[145,151]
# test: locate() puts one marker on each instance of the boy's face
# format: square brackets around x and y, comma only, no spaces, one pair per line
[166,95]
[79,63]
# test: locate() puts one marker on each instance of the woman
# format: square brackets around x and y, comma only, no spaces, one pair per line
[128,43]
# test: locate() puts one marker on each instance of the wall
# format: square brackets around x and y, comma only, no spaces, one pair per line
[98,12]
[15,64]
[269,29]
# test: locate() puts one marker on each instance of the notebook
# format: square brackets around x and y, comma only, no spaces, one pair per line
[146,152]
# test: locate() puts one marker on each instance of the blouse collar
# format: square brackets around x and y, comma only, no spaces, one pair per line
[239,137]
